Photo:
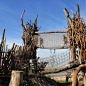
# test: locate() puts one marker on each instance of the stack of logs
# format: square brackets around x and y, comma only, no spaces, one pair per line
[77,38]
[77,35]
[18,57]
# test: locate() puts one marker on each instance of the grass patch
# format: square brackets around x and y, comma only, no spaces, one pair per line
[49,76]
[64,81]
[31,73]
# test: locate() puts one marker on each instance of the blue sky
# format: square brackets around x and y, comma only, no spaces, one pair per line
[50,15]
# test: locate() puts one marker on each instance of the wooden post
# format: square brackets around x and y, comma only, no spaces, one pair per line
[16,78]
[72,54]
[3,36]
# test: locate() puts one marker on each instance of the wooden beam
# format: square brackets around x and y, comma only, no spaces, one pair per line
[44,32]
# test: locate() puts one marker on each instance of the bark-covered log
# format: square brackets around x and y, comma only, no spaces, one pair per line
[44,32]
[76,73]
[16,78]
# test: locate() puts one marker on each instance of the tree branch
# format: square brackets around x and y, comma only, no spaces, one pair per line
[22,20]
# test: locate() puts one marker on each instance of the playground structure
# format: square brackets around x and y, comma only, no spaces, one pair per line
[24,57]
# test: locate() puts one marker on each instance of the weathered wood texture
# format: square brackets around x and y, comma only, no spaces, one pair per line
[77,35]
[16,78]
[74,82]
[43,32]
[77,38]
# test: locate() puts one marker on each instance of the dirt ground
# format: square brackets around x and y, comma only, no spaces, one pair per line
[42,81]
[45,81]
[39,81]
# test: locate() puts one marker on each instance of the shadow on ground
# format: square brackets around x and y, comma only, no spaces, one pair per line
[64,83]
